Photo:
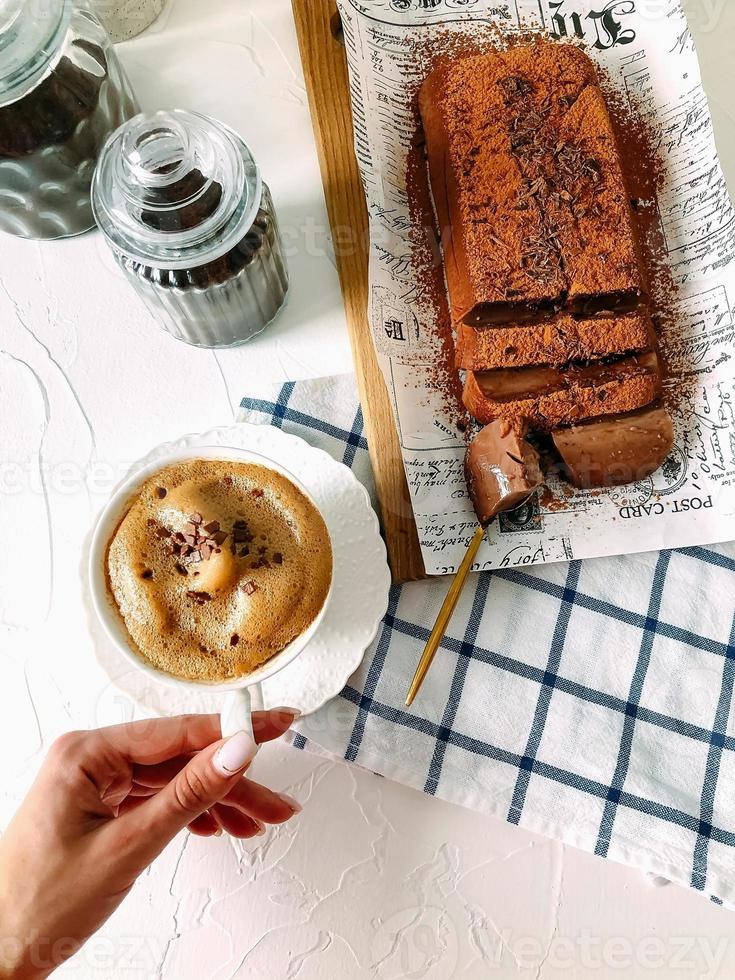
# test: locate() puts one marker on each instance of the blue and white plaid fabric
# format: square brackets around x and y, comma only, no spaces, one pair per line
[591,702]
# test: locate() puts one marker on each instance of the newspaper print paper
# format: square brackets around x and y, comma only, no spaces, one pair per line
[646,50]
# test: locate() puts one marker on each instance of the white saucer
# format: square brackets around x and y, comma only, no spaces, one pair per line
[359,596]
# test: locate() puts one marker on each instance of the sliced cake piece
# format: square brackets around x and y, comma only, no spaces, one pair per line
[557,341]
[552,397]
[616,450]
[502,469]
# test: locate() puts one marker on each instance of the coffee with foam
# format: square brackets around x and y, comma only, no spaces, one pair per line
[216,567]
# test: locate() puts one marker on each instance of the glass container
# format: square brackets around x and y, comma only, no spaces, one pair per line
[62,92]
[190,221]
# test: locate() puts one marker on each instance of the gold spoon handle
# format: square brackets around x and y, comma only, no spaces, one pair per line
[445,614]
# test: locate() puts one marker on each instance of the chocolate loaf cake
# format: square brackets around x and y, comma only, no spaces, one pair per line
[546,283]
[529,193]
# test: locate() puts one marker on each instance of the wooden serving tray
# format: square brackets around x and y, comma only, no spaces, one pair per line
[327,84]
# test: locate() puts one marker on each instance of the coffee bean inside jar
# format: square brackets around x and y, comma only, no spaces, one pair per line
[191,223]
[62,92]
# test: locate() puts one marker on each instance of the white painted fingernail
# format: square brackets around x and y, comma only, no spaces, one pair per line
[285,710]
[290,802]
[237,753]
[218,832]
[261,828]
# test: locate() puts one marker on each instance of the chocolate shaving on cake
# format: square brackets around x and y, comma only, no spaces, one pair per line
[540,259]
[515,88]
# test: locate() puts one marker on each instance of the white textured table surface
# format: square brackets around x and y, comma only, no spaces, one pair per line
[372,880]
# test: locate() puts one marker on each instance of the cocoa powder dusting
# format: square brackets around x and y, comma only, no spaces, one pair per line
[431,292]
[531,201]
[424,52]
[638,138]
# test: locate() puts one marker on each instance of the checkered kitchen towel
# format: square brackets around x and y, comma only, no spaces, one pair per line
[591,702]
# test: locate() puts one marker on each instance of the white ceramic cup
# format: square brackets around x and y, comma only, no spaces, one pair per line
[237,707]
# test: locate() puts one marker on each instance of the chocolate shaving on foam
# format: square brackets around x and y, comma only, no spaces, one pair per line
[197,542]
[199,597]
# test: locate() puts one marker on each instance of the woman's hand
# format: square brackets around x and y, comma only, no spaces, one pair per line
[104,805]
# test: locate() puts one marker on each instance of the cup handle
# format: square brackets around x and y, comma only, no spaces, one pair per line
[237,713]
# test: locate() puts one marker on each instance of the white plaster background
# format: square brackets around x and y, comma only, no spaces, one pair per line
[372,880]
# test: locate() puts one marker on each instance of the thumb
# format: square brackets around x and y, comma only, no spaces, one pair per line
[204,781]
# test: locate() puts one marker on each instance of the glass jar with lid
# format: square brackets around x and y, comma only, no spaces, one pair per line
[62,92]
[190,221]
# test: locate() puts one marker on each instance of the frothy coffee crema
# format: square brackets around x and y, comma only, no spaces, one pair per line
[217,566]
